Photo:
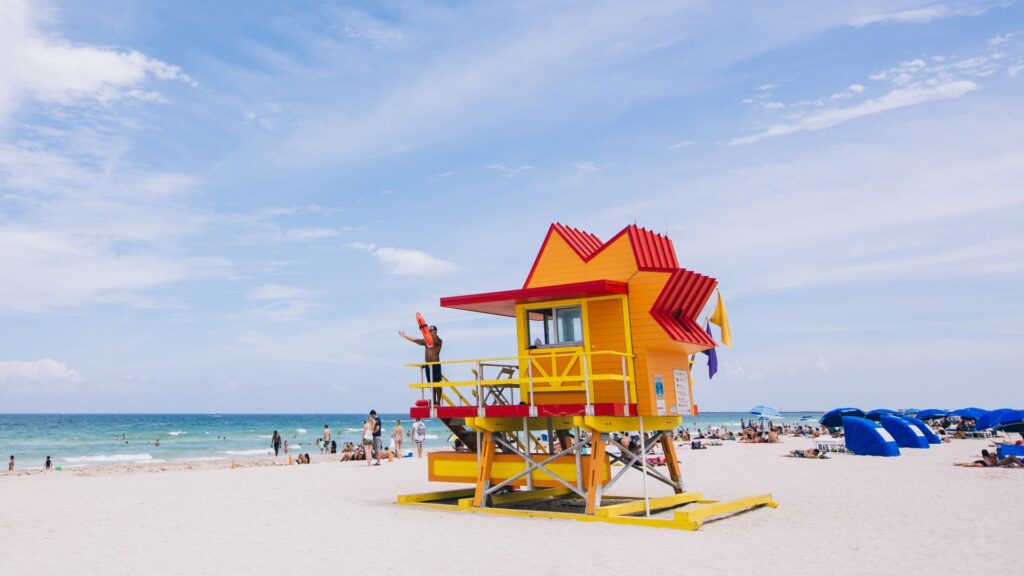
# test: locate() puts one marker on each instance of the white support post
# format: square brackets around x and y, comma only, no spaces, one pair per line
[479,395]
[578,445]
[526,442]
[643,463]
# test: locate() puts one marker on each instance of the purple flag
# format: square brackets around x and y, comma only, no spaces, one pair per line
[711,354]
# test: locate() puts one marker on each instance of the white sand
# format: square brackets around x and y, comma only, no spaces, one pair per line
[849,515]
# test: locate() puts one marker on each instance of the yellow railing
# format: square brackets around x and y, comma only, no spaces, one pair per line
[566,371]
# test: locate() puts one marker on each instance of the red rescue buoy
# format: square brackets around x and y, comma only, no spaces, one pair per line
[425,330]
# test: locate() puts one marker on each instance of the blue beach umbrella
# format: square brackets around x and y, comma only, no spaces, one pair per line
[834,418]
[765,412]
[969,413]
[1011,421]
[876,415]
[932,414]
[992,418]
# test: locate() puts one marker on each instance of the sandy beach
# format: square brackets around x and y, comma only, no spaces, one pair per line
[848,515]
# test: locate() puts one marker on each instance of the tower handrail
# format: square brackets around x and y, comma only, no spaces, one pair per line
[526,384]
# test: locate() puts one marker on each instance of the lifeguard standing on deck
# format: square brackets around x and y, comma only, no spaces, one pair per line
[430,354]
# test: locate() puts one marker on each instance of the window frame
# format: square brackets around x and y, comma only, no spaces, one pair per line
[557,331]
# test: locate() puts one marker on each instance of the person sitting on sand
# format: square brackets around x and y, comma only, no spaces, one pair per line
[773,436]
[348,452]
[386,453]
[992,460]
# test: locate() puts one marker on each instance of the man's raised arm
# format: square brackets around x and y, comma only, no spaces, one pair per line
[419,341]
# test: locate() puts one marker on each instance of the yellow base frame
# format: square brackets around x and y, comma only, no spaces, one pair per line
[690,518]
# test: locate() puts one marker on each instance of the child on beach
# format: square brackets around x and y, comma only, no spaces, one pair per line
[10,464]
[47,465]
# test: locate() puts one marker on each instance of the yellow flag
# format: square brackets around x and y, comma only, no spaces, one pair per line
[721,318]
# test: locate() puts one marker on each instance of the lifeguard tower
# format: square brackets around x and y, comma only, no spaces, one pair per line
[604,335]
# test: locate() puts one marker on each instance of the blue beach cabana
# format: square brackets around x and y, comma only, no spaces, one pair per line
[925,429]
[867,438]
[906,434]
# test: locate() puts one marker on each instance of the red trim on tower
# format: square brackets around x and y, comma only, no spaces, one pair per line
[584,244]
[679,304]
[651,251]
[504,303]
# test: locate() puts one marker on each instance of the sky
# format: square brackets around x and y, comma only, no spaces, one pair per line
[214,207]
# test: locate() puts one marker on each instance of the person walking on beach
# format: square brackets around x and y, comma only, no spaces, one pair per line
[275,443]
[10,464]
[368,439]
[285,446]
[47,465]
[397,434]
[327,438]
[376,435]
[419,434]
[430,354]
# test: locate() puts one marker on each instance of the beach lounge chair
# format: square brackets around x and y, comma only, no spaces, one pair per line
[830,445]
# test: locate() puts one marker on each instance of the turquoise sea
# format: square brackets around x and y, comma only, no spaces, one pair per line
[74,440]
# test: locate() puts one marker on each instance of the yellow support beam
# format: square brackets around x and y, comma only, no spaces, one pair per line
[431,496]
[694,518]
[620,423]
[683,520]
[660,503]
[518,496]
[502,424]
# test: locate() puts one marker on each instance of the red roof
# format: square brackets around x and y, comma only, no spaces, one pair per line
[679,304]
[504,303]
[583,243]
[652,251]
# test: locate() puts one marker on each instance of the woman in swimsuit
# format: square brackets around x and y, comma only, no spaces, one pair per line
[368,438]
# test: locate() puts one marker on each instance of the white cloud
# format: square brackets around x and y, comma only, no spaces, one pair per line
[590,167]
[931,12]
[910,83]
[52,70]
[681,144]
[34,376]
[405,261]
[442,176]
[281,292]
[898,98]
[506,171]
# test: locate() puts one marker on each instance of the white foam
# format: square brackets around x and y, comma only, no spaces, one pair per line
[177,433]
[254,452]
[353,429]
[300,430]
[267,436]
[431,436]
[143,457]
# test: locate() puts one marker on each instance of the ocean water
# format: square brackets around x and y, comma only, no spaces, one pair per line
[74,440]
